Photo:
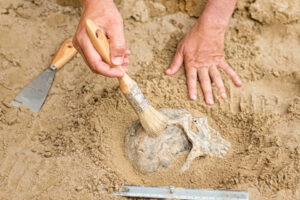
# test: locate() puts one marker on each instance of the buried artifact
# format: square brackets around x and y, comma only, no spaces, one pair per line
[183,132]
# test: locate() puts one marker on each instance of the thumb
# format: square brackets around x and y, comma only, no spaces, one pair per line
[117,44]
[176,63]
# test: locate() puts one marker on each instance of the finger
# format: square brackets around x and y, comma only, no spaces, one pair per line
[77,47]
[233,75]
[75,44]
[125,69]
[176,63]
[117,43]
[95,62]
[106,70]
[191,76]
[84,58]
[126,61]
[217,79]
[205,83]
[127,53]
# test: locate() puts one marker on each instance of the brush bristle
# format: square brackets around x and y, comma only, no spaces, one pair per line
[153,121]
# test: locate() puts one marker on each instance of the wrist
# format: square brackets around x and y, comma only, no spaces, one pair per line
[92,1]
[84,3]
[205,25]
[212,21]
[217,13]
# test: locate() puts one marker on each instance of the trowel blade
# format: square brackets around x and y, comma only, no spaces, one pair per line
[35,93]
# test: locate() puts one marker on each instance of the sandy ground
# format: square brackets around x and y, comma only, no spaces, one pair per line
[74,147]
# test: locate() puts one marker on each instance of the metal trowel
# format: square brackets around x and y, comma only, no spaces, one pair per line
[35,93]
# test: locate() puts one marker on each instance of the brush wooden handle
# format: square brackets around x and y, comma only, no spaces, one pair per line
[64,54]
[101,44]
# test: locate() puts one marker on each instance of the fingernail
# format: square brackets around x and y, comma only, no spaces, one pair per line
[168,71]
[117,61]
[223,95]
[210,101]
[193,97]
[239,82]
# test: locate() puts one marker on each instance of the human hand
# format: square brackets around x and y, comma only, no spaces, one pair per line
[105,14]
[201,51]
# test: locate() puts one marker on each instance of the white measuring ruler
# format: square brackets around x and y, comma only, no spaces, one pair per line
[180,193]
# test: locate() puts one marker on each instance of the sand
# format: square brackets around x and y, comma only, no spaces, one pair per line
[74,147]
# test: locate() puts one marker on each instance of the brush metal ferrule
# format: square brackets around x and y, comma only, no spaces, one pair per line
[137,99]
[52,67]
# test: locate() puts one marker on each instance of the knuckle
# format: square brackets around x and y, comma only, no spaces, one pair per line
[192,88]
[190,62]
[204,80]
[93,70]
[193,63]
[204,65]
[75,45]
[119,46]
[76,37]
[221,87]
[93,66]
[118,49]
[192,81]
[106,73]
[178,53]
[207,92]
[231,73]
[217,78]
[179,49]
[75,40]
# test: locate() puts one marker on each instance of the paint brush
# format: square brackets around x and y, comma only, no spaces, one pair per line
[152,120]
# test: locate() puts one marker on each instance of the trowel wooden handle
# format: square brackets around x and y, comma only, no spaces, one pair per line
[101,44]
[64,54]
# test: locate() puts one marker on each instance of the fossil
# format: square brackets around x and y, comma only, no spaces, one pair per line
[183,133]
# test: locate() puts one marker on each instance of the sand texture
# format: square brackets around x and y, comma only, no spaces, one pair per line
[74,147]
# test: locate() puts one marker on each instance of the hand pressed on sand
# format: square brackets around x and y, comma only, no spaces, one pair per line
[201,51]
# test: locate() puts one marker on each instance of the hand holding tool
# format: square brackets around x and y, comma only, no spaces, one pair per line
[152,120]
